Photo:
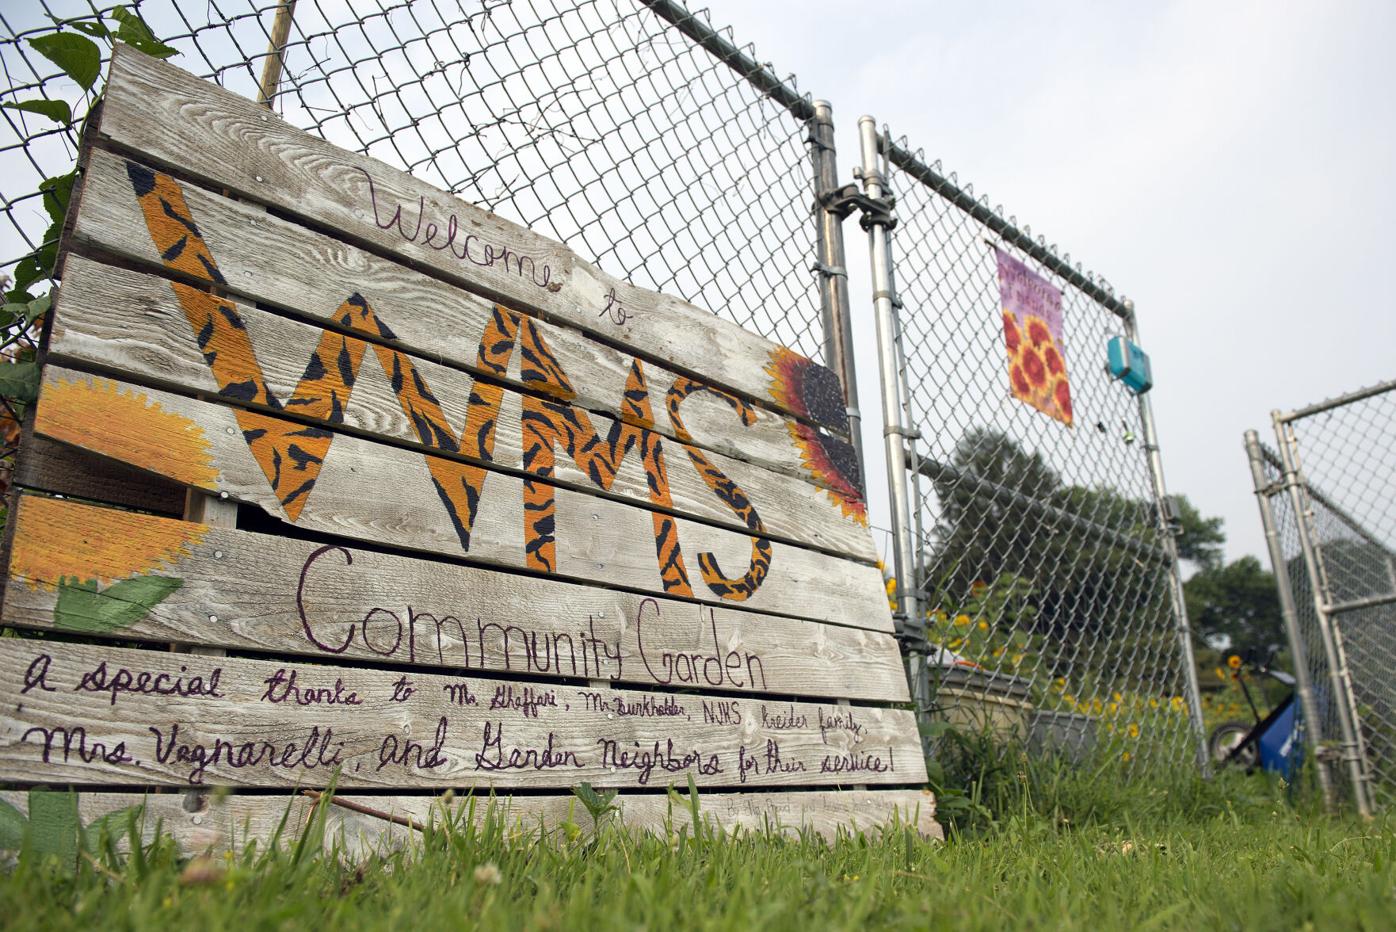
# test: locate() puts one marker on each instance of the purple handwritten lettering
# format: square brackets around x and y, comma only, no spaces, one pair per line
[471,248]
[120,680]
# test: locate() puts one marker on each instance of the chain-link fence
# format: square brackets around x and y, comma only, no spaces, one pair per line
[600,123]
[1328,504]
[1045,568]
[650,143]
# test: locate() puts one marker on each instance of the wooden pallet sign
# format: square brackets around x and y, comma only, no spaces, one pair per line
[423,501]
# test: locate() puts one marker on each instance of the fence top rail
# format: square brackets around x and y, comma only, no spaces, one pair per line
[726,51]
[1090,285]
[1330,403]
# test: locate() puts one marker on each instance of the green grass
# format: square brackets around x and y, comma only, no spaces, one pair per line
[1037,847]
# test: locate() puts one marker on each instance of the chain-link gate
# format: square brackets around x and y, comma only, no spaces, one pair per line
[1045,570]
[1328,507]
[650,143]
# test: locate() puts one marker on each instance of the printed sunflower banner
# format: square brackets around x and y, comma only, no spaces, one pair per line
[1032,333]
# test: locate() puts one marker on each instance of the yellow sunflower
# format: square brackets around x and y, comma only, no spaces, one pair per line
[58,540]
[98,415]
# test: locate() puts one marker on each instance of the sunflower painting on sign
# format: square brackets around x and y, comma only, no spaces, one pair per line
[1032,333]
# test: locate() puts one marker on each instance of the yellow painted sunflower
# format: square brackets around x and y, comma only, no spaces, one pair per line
[97,415]
[106,545]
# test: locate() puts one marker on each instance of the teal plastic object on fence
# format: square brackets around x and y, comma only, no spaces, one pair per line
[1130,365]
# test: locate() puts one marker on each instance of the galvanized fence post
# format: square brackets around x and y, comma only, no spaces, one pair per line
[878,223]
[1340,680]
[1312,724]
[1169,542]
[831,267]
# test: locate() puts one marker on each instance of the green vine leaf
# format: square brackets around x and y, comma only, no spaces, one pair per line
[78,56]
[19,381]
[597,804]
[26,273]
[92,27]
[81,607]
[37,308]
[27,311]
[57,193]
[56,110]
[135,33]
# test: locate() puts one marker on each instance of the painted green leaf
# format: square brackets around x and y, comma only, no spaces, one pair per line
[78,56]
[56,110]
[12,823]
[81,607]
[54,825]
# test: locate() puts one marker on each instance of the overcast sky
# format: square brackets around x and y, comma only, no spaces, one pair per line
[1228,165]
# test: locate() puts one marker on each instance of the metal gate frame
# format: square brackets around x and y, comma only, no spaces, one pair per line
[878,157]
[1291,484]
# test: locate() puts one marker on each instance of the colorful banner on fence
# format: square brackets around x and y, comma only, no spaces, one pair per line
[1032,332]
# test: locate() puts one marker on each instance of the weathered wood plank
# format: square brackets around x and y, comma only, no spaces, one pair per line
[176,119]
[272,261]
[90,715]
[49,466]
[286,596]
[136,324]
[216,825]
[200,508]
[347,485]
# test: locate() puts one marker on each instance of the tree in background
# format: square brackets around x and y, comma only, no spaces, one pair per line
[1007,520]
[1070,565]
[1235,605]
[1202,539]
[1231,606]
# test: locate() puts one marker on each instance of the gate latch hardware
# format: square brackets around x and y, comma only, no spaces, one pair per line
[876,211]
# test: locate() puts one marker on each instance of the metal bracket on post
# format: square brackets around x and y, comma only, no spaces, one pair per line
[876,211]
